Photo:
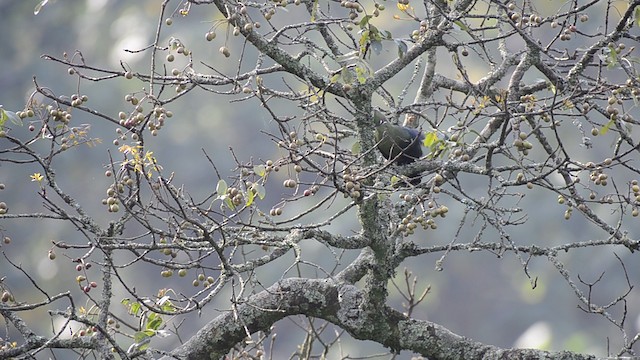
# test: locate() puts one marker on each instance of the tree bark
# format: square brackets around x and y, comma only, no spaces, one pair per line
[342,305]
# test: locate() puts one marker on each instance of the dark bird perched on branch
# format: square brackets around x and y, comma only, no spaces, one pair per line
[398,143]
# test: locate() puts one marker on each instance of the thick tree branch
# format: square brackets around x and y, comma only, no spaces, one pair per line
[342,305]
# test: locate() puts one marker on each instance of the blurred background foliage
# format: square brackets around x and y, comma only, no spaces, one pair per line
[479,295]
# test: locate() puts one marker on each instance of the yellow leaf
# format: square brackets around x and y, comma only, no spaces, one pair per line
[251,196]
[430,138]
[37,177]
[402,7]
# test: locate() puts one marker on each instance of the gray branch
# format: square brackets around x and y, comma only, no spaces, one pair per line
[342,305]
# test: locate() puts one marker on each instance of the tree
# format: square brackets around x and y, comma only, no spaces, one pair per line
[515,100]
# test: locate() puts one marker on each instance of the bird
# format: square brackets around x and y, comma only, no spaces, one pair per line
[400,144]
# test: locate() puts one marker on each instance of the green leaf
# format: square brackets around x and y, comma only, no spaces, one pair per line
[461,25]
[139,336]
[364,21]
[355,148]
[228,202]
[364,39]
[10,115]
[430,138]
[314,10]
[166,304]
[135,308]
[361,74]
[168,307]
[637,16]
[250,196]
[605,127]
[260,190]
[154,322]
[142,339]
[394,180]
[375,33]
[222,187]
[612,57]
[260,170]
[3,117]
[347,76]
[145,346]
